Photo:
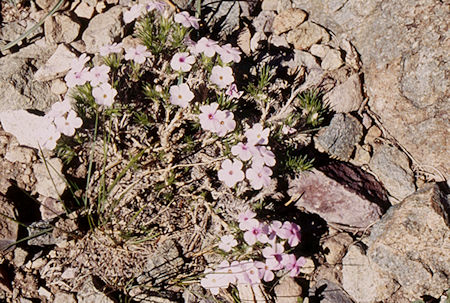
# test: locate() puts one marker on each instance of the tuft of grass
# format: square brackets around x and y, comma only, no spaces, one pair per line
[313,107]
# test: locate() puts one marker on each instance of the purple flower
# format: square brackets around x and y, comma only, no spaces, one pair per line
[258,176]
[257,233]
[228,53]
[291,232]
[186,20]
[138,54]
[243,151]
[231,172]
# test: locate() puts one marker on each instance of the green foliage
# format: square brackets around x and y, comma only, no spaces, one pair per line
[296,163]
[113,61]
[313,107]
[265,75]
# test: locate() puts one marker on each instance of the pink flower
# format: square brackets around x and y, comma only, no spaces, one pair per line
[104,94]
[206,46]
[138,54]
[221,76]
[227,270]
[250,272]
[114,48]
[78,64]
[257,135]
[158,5]
[47,139]
[231,172]
[132,14]
[99,74]
[293,265]
[182,62]
[257,233]
[209,116]
[243,151]
[227,242]
[291,232]
[265,271]
[275,229]
[77,77]
[181,95]
[225,123]
[186,20]
[228,53]
[264,156]
[258,176]
[233,92]
[67,125]
[247,220]
[213,281]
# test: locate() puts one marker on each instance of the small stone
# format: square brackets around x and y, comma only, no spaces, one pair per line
[257,41]
[252,293]
[20,255]
[50,182]
[46,4]
[57,66]
[21,154]
[303,58]
[60,29]
[63,297]
[283,5]
[362,156]
[43,292]
[346,97]
[243,41]
[319,50]
[367,121]
[309,267]
[392,168]
[100,7]
[269,5]
[340,137]
[84,10]
[51,208]
[38,263]
[332,60]
[341,194]
[103,29]
[89,293]
[287,290]
[288,20]
[58,87]
[307,34]
[336,247]
[330,292]
[372,134]
[263,22]
[8,228]
[278,41]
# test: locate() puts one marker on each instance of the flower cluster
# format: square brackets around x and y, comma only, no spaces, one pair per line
[273,237]
[138,10]
[61,119]
[253,151]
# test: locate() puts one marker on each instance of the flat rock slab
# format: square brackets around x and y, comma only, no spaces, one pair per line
[353,203]
[411,243]
[58,64]
[347,96]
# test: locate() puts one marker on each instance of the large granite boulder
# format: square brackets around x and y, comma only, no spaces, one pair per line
[404,49]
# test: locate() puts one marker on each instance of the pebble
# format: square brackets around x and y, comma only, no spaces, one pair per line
[288,20]
[307,34]
[58,87]
[346,97]
[332,60]
[84,10]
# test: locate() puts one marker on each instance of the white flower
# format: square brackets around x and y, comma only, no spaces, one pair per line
[78,64]
[182,62]
[227,243]
[257,135]
[77,77]
[231,172]
[138,54]
[47,139]
[115,48]
[158,5]
[258,176]
[59,109]
[132,14]
[225,123]
[180,95]
[99,74]
[233,92]
[104,94]
[67,125]
[206,46]
[222,76]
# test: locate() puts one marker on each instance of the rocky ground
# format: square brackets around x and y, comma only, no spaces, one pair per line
[374,211]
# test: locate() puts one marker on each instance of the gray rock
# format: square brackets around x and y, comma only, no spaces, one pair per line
[49,176]
[410,243]
[307,34]
[58,87]
[60,29]
[89,293]
[62,297]
[288,20]
[345,97]
[403,45]
[20,154]
[20,256]
[335,247]
[8,227]
[319,50]
[263,22]
[17,88]
[269,5]
[84,10]
[391,166]
[351,202]
[287,290]
[332,60]
[57,66]
[103,29]
[26,127]
[12,30]
[40,234]
[363,280]
[340,137]
[329,292]
[225,12]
